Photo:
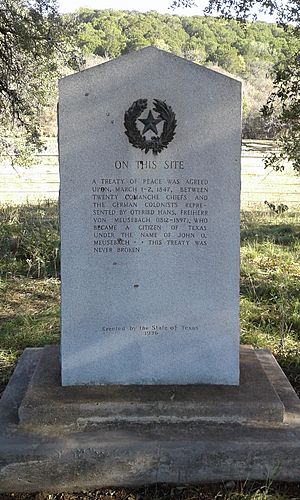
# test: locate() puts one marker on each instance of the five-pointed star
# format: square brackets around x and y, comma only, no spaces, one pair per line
[150,123]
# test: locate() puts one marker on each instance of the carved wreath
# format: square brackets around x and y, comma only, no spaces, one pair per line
[156,143]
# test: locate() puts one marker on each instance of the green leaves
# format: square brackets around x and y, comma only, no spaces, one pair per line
[36,43]
[284,101]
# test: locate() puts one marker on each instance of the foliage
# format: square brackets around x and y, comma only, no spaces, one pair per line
[236,48]
[286,97]
[287,12]
[29,240]
[246,50]
[35,44]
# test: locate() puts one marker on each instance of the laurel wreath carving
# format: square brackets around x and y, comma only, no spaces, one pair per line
[156,144]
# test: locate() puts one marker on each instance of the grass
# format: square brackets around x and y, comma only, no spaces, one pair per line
[270,287]
[225,491]
[270,317]
[29,240]
[29,286]
[29,317]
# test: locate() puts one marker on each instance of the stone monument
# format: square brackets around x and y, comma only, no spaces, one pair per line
[150,385]
[150,185]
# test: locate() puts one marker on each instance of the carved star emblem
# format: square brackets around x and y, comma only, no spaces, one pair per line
[150,123]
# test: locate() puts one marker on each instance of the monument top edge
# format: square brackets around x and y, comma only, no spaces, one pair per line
[145,55]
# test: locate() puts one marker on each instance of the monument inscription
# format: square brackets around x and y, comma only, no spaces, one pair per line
[129,213]
[150,181]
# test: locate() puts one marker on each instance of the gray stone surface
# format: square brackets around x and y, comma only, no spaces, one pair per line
[150,251]
[278,379]
[61,458]
[47,402]
[18,385]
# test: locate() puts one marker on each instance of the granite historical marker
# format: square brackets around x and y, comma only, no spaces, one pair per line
[150,181]
[150,184]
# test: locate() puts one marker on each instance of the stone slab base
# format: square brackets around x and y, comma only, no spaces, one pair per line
[46,401]
[52,451]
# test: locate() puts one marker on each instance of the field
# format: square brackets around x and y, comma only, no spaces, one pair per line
[270,312]
[41,180]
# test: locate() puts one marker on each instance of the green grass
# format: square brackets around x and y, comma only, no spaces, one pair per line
[270,315]
[29,286]
[29,317]
[270,287]
[29,240]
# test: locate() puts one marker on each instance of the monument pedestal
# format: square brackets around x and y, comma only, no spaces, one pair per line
[57,438]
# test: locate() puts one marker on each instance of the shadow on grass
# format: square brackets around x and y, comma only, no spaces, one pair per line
[228,490]
[290,363]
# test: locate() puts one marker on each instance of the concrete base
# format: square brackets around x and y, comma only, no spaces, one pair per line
[71,438]
[46,401]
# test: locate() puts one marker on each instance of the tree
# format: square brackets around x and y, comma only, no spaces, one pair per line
[285,99]
[102,32]
[35,44]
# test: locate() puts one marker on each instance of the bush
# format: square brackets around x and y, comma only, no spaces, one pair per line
[29,240]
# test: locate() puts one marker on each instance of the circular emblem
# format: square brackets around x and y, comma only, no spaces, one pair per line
[138,139]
